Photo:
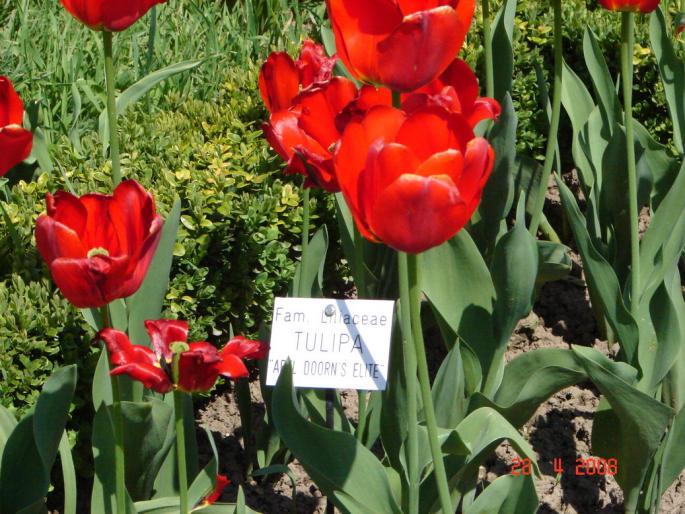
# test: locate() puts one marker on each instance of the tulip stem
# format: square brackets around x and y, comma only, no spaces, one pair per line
[181,452]
[304,260]
[627,20]
[414,267]
[118,421]
[111,108]
[412,446]
[360,266]
[554,121]
[487,45]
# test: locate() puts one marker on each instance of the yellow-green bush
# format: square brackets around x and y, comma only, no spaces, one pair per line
[238,239]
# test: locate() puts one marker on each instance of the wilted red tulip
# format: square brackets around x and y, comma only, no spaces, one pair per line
[412,180]
[643,6]
[401,44]
[199,363]
[281,78]
[15,141]
[99,247]
[305,134]
[107,14]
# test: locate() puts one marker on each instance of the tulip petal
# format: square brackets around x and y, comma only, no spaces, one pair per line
[99,231]
[130,197]
[196,367]
[15,146]
[151,377]
[244,348]
[86,11]
[55,239]
[478,161]
[381,123]
[449,163]
[232,366]
[129,281]
[163,332]
[320,105]
[11,106]
[313,65]
[67,209]
[417,213]
[81,280]
[433,130]
[358,26]
[419,49]
[122,14]
[278,82]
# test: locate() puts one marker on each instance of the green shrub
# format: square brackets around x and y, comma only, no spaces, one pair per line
[237,243]
[533,49]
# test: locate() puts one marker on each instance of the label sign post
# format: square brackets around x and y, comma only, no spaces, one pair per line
[337,344]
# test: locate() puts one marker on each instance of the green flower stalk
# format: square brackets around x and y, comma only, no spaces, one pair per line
[554,122]
[627,29]
[118,421]
[487,44]
[110,78]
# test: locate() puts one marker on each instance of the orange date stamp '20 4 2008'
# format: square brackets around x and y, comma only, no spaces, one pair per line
[591,466]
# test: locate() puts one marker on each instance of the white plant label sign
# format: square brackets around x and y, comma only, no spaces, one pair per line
[337,344]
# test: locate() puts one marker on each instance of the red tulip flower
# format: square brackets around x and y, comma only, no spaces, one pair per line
[99,247]
[304,100]
[199,363]
[281,78]
[401,44]
[305,134]
[15,141]
[642,6]
[110,15]
[412,180]
[455,90]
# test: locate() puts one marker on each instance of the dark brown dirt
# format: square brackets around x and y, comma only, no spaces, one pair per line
[560,429]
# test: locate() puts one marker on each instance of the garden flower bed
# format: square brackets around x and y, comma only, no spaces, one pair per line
[342,256]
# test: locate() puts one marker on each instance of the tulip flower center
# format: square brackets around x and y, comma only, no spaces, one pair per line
[97,251]
[178,347]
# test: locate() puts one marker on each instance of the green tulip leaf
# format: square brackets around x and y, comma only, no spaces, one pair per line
[672,71]
[448,270]
[31,448]
[514,274]
[312,284]
[509,493]
[578,104]
[673,461]
[447,392]
[601,278]
[601,79]
[503,49]
[345,471]
[498,194]
[149,434]
[631,431]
